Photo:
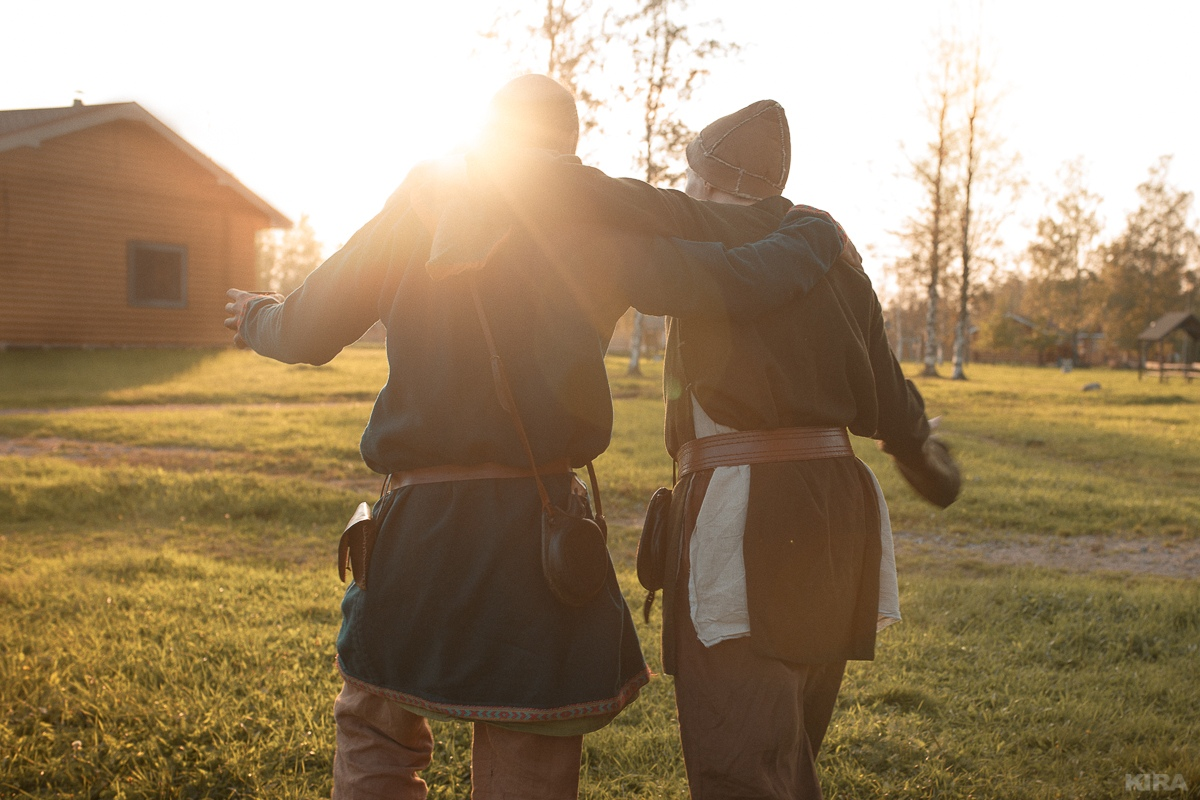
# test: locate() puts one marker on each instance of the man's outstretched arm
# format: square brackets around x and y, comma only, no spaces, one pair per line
[338,301]
[684,278]
[903,430]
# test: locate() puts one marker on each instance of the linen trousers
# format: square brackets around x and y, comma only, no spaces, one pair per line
[751,726]
[382,746]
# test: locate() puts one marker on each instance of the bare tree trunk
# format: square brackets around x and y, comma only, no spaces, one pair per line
[962,338]
[1077,317]
[657,68]
[945,97]
[931,316]
[962,331]
[930,370]
[635,345]
[667,67]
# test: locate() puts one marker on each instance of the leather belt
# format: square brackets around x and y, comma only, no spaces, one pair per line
[763,447]
[475,472]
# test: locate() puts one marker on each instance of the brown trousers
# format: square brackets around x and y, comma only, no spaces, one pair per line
[750,726]
[381,746]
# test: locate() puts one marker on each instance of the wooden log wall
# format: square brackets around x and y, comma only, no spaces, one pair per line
[68,210]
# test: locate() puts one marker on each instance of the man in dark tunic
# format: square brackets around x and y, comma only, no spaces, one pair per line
[456,620]
[774,579]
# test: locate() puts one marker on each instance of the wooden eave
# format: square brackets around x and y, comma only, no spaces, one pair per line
[1170,322]
[85,117]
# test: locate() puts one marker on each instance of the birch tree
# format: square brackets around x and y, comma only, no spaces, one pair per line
[566,41]
[933,175]
[668,65]
[989,187]
[575,35]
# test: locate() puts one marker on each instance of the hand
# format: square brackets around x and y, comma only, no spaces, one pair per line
[935,477]
[236,310]
[849,252]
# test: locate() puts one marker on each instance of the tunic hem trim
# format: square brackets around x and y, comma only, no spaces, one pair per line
[595,708]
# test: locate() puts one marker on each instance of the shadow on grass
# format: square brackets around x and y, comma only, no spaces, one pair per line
[35,378]
[1148,400]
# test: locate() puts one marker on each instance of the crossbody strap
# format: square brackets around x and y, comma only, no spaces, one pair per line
[509,404]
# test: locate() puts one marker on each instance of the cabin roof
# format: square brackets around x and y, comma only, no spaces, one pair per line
[30,127]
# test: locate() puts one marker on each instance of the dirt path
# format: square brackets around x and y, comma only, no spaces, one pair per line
[1172,557]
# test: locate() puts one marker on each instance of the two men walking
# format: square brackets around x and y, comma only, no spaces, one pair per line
[453,618]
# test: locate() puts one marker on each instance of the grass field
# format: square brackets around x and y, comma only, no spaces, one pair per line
[168,602]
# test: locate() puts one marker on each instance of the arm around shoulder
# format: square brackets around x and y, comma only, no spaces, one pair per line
[685,278]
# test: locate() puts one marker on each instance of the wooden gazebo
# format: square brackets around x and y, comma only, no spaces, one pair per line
[1158,331]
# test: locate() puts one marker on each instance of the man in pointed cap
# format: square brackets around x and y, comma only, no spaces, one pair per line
[780,567]
[452,617]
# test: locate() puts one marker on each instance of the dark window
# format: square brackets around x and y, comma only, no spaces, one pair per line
[157,275]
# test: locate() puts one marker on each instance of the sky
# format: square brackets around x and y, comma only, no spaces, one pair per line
[321,108]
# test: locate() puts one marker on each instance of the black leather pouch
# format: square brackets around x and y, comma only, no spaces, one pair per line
[354,549]
[574,552]
[652,547]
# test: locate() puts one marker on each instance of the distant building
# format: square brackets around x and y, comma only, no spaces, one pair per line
[114,231]
[1175,357]
[1016,339]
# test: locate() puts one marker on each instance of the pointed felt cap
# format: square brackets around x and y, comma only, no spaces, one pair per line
[747,154]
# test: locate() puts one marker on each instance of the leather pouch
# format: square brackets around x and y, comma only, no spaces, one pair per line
[574,552]
[652,547]
[358,540]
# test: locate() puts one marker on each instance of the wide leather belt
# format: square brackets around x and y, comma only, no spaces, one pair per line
[763,447]
[475,472]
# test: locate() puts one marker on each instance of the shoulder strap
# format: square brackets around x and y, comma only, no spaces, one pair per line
[509,404]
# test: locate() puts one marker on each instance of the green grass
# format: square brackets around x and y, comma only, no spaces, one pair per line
[148,672]
[1042,456]
[62,378]
[154,674]
[1039,455]
[168,602]
[1018,683]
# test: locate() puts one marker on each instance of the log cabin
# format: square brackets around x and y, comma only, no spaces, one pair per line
[116,232]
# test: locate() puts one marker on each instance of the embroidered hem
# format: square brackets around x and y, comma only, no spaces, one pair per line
[609,706]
